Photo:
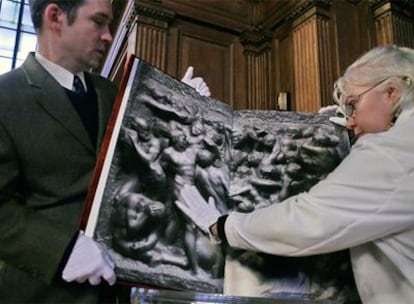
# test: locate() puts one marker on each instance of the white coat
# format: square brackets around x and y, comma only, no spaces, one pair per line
[366,204]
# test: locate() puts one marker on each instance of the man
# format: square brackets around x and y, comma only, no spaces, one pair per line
[49,140]
[51,127]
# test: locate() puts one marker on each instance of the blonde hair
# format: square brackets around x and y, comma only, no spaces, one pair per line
[379,64]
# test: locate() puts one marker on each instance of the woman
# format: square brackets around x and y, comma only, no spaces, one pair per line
[366,204]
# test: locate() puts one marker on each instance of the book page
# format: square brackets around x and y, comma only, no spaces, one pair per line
[165,136]
[277,155]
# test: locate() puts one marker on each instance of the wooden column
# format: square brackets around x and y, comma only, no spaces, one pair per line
[312,57]
[149,39]
[257,52]
[394,22]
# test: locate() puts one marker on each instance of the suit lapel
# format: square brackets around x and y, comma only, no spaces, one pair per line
[105,102]
[53,99]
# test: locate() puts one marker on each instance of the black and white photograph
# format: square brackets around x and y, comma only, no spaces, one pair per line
[276,155]
[166,136]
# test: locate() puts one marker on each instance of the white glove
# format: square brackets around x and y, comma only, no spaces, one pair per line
[202,213]
[328,109]
[88,262]
[339,116]
[197,82]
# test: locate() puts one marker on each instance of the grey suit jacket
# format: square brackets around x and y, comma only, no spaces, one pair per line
[46,163]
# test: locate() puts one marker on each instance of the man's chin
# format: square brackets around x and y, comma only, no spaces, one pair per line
[95,63]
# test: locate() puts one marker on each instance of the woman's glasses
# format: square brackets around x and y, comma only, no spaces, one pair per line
[351,103]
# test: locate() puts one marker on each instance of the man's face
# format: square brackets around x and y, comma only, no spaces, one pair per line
[237,136]
[84,42]
[269,140]
[180,141]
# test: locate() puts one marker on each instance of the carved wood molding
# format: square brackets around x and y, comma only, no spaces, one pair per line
[307,5]
[151,13]
[151,36]
[403,9]
[404,4]
[256,41]
[393,21]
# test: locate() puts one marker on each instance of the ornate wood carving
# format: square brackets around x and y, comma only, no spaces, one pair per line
[151,33]
[394,22]
[306,5]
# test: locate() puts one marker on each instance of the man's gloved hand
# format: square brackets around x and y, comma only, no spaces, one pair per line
[197,82]
[202,213]
[338,117]
[88,262]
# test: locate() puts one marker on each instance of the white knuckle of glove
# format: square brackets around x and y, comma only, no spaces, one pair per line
[341,121]
[88,262]
[204,90]
[95,280]
[195,82]
[193,205]
[339,118]
[328,109]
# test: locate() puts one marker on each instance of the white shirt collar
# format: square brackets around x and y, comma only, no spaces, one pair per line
[62,76]
[405,114]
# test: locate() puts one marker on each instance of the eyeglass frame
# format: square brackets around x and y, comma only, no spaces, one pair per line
[349,108]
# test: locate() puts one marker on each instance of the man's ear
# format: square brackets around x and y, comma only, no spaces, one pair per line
[53,17]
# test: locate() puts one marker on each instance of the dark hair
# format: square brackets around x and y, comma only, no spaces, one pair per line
[37,8]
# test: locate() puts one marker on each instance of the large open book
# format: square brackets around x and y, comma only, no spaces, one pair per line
[164,135]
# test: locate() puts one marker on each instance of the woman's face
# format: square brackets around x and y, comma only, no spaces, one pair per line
[372,108]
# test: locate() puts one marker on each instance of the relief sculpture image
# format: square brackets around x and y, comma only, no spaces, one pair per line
[165,135]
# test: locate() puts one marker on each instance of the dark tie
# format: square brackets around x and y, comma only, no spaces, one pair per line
[78,86]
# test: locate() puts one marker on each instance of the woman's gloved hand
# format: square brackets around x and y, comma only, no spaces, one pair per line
[338,116]
[193,205]
[196,82]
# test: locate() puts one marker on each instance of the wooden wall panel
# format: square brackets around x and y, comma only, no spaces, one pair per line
[394,25]
[312,64]
[305,58]
[227,14]
[324,63]
[150,31]
[249,51]
[209,51]
[283,67]
[215,67]
[258,80]
[151,45]
[404,31]
[353,32]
